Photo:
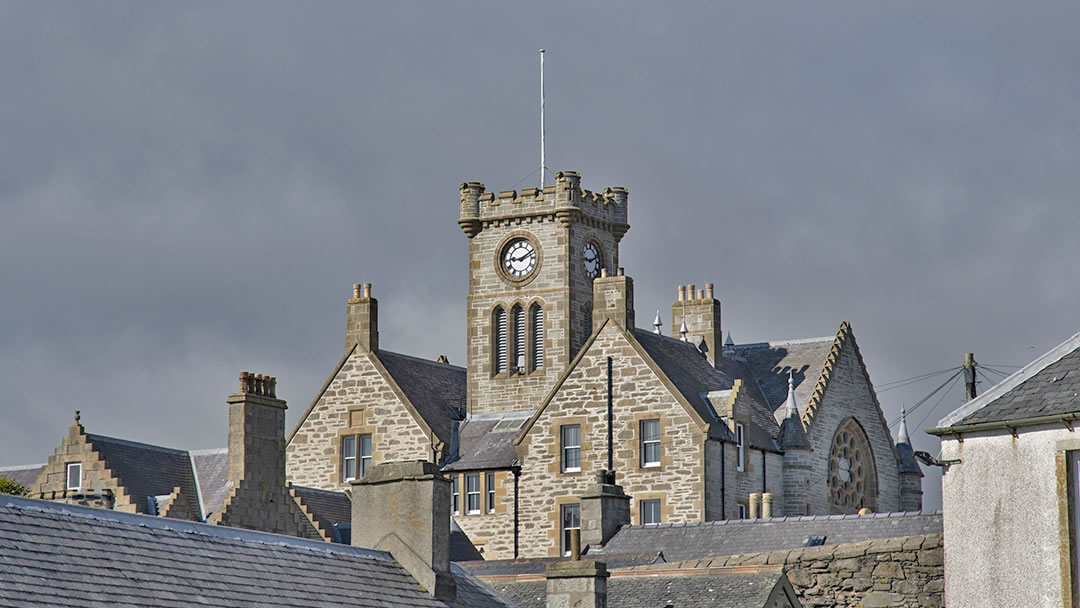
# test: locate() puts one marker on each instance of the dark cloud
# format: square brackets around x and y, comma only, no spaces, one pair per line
[188,191]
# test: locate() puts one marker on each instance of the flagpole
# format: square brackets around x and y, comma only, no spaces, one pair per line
[543,161]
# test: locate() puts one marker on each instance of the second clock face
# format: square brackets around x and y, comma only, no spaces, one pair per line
[519,259]
[592,261]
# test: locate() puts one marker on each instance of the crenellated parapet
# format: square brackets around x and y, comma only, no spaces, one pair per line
[565,201]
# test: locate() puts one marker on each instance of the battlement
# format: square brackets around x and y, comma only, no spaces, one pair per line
[564,198]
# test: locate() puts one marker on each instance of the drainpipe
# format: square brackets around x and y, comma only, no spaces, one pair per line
[723,484]
[763,488]
[517,475]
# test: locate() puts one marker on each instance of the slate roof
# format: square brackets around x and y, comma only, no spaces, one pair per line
[24,475]
[1048,386]
[326,507]
[694,376]
[481,446]
[770,362]
[680,542]
[212,476]
[436,390]
[143,469]
[708,589]
[93,557]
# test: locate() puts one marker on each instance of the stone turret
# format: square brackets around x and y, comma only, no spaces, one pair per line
[910,472]
[700,312]
[797,449]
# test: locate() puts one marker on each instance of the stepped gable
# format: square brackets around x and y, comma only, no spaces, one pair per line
[487,443]
[24,475]
[145,470]
[695,376]
[326,509]
[709,588]
[436,390]
[153,561]
[679,542]
[1047,386]
[770,362]
[212,476]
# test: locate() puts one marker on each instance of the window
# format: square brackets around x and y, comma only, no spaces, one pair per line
[74,476]
[571,448]
[740,463]
[742,511]
[500,341]
[650,442]
[472,494]
[650,512]
[490,480]
[571,520]
[455,493]
[537,318]
[519,338]
[350,456]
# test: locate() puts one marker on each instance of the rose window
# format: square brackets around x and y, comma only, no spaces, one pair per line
[852,477]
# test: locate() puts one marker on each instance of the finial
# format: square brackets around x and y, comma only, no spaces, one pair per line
[791,408]
[902,436]
[683,330]
[77,417]
[729,341]
[657,324]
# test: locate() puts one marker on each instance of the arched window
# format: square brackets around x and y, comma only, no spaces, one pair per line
[852,474]
[500,340]
[536,319]
[519,337]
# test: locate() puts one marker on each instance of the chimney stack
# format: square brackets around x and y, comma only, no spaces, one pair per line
[404,508]
[604,509]
[362,319]
[577,584]
[700,310]
[256,432]
[613,298]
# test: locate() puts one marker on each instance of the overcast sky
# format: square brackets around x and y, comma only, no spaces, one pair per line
[189,190]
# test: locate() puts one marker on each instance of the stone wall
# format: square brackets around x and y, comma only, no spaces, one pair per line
[905,571]
[99,487]
[639,394]
[849,395]
[358,400]
[491,533]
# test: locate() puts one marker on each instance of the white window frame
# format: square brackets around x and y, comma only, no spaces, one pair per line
[565,529]
[75,467]
[472,494]
[363,448]
[455,494]
[489,485]
[740,443]
[645,443]
[742,511]
[567,449]
[348,457]
[648,505]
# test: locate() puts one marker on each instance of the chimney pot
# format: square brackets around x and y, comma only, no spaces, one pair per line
[755,505]
[766,505]
[690,291]
[356,290]
[603,273]
[367,290]
[575,545]
[709,291]
[682,293]
[622,271]
[701,294]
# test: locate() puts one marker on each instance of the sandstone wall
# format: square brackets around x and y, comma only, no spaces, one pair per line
[358,401]
[639,394]
[491,533]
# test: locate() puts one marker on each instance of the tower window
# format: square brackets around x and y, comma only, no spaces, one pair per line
[519,338]
[571,447]
[537,317]
[500,341]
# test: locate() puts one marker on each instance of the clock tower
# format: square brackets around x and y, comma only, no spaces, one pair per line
[532,258]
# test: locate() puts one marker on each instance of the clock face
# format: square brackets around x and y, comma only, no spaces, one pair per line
[592,261]
[519,258]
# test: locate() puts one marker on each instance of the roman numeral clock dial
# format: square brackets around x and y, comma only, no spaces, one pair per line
[519,260]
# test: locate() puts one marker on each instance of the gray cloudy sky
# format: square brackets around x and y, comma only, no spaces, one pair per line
[189,190]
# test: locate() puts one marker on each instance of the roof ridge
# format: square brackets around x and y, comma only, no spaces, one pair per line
[23,467]
[208,451]
[783,342]
[784,519]
[176,451]
[319,490]
[420,359]
[184,526]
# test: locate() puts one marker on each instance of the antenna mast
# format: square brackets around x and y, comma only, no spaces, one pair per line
[543,162]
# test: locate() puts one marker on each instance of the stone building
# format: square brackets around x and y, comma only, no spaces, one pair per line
[559,384]
[1011,488]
